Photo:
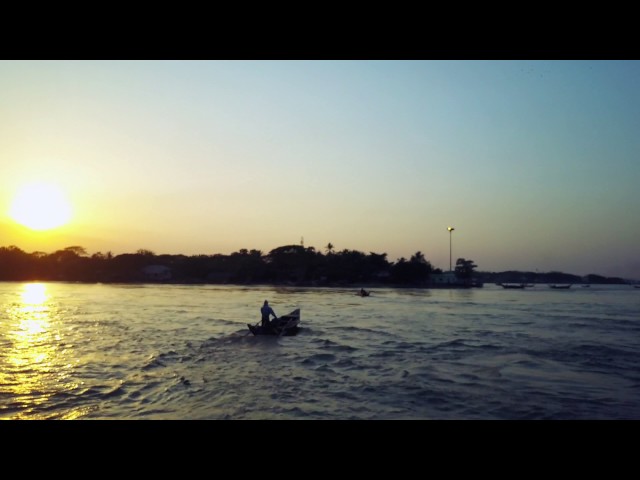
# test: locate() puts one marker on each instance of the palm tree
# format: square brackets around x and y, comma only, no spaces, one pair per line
[329,248]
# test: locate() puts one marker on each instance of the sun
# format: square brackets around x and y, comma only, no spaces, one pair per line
[40,206]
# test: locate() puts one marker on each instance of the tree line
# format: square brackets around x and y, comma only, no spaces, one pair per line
[285,264]
[289,264]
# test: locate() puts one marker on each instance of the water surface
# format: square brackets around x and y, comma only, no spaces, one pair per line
[93,351]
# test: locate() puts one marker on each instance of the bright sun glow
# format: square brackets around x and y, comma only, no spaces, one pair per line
[40,206]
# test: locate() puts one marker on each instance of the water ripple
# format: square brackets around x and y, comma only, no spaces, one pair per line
[177,352]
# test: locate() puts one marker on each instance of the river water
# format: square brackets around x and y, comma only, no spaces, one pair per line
[95,351]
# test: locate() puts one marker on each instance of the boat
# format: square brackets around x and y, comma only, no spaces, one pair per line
[363,293]
[564,287]
[283,326]
[513,285]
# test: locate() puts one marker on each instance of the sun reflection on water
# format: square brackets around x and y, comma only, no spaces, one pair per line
[38,363]
[34,294]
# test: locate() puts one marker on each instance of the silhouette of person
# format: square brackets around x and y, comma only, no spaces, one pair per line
[267,311]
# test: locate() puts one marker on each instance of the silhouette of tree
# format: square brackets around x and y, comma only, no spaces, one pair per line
[76,250]
[416,271]
[464,268]
[289,263]
[15,263]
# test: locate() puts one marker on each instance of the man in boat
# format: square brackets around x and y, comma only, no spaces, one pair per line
[266,312]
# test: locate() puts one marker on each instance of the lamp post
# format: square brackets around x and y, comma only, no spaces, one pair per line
[451,229]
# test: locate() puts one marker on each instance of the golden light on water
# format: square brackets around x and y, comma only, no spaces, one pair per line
[34,319]
[34,294]
[36,363]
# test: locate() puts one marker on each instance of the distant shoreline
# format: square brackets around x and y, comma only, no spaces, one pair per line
[292,265]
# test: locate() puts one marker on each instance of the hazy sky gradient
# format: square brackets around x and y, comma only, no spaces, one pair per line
[535,163]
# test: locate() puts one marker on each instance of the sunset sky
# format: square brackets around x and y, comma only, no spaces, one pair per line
[534,163]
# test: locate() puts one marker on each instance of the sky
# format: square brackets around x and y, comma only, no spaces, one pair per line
[534,163]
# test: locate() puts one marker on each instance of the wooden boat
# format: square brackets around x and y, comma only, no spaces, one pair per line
[513,285]
[284,325]
[564,287]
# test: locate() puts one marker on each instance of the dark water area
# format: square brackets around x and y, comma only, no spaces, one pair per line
[92,351]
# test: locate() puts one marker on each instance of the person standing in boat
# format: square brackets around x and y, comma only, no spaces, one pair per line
[266,312]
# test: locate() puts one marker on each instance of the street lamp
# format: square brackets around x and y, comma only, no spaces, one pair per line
[451,229]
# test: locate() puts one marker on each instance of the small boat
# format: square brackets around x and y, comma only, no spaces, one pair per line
[564,287]
[363,293]
[284,325]
[513,285]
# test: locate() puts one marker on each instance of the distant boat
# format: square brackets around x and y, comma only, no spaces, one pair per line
[363,293]
[636,286]
[558,287]
[513,285]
